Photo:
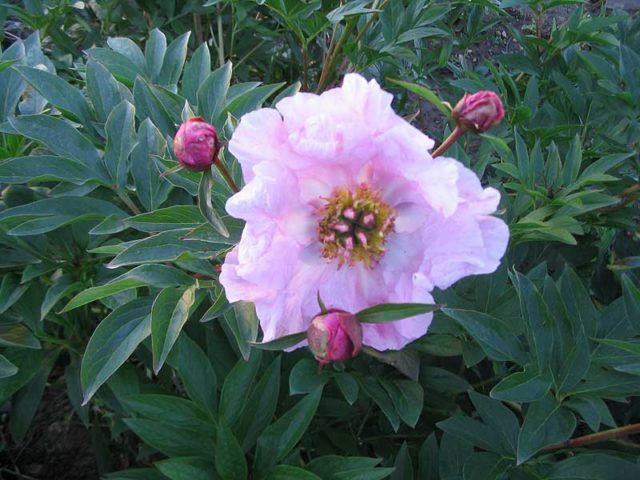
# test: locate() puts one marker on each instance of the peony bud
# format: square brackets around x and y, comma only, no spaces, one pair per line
[196,144]
[478,112]
[334,336]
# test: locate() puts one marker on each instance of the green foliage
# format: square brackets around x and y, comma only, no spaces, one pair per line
[110,269]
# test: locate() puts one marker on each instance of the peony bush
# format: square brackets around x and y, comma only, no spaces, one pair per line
[329,246]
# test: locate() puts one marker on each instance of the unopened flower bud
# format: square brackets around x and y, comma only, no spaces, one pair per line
[196,144]
[334,336]
[478,112]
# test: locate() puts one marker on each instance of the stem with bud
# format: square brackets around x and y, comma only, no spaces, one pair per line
[449,141]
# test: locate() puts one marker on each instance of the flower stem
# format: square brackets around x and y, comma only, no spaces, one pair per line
[332,57]
[450,140]
[612,434]
[220,36]
[226,175]
[127,201]
[305,68]
[626,197]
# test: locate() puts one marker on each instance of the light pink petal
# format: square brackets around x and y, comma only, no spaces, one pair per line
[462,245]
[483,201]
[258,137]
[267,195]
[438,180]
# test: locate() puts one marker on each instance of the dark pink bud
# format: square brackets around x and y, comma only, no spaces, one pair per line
[196,144]
[334,336]
[479,112]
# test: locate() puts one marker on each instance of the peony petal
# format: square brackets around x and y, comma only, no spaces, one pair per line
[258,137]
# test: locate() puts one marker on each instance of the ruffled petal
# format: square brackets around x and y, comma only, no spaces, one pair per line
[259,137]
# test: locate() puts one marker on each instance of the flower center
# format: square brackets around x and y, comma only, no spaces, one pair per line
[354,225]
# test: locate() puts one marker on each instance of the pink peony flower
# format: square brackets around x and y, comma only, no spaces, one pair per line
[479,112]
[334,336]
[343,199]
[196,144]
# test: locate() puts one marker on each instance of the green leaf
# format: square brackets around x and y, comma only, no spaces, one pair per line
[43,168]
[170,218]
[163,247]
[348,386]
[329,466]
[196,72]
[379,395]
[526,386]
[587,409]
[206,207]
[62,287]
[234,391]
[444,381]
[492,334]
[7,369]
[630,347]
[572,162]
[593,466]
[169,314]
[248,102]
[289,472]
[196,373]
[428,459]
[281,343]
[571,356]
[112,342]
[171,410]
[539,326]
[305,377]
[128,48]
[281,436]
[187,468]
[59,93]
[121,139]
[607,384]
[219,307]
[213,92]
[147,99]
[103,90]
[631,294]
[578,301]
[501,420]
[407,397]
[17,335]
[546,422]
[472,431]
[243,323]
[173,60]
[120,66]
[390,312]
[259,409]
[486,466]
[425,93]
[25,403]
[405,361]
[161,276]
[62,139]
[10,291]
[364,474]
[152,189]
[154,53]
[170,440]
[11,83]
[229,457]
[403,466]
[29,363]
